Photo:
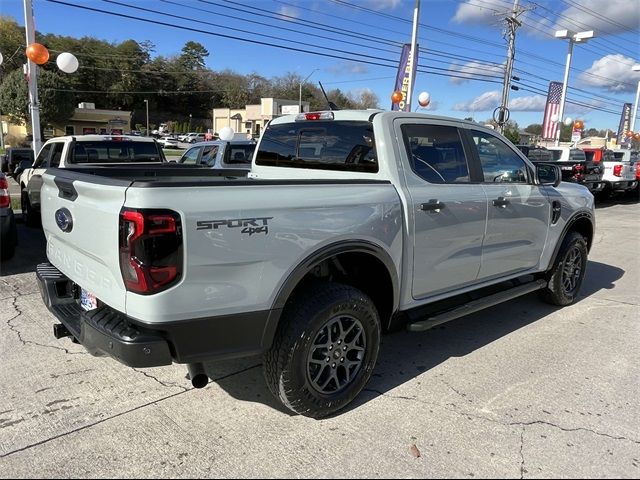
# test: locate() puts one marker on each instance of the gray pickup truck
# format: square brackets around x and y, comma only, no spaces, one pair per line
[351,223]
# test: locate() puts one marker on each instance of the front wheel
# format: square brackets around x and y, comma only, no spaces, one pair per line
[325,349]
[567,274]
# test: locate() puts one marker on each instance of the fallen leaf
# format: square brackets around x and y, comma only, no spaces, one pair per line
[414,451]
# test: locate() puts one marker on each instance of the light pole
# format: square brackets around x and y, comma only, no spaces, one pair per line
[146,102]
[300,93]
[190,116]
[580,37]
[635,68]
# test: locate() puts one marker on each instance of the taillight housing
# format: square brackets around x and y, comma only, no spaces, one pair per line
[617,170]
[151,256]
[5,198]
[578,172]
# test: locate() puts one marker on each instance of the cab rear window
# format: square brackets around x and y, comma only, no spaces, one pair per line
[115,152]
[324,145]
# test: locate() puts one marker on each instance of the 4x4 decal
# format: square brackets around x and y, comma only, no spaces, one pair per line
[248,225]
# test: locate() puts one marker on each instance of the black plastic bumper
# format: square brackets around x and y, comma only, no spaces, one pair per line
[105,331]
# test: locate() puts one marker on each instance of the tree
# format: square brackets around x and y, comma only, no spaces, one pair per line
[193,56]
[534,128]
[57,103]
[364,99]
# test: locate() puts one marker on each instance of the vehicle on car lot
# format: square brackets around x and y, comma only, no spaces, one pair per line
[349,224]
[8,230]
[195,138]
[12,158]
[619,172]
[234,154]
[535,153]
[169,142]
[184,136]
[577,167]
[80,151]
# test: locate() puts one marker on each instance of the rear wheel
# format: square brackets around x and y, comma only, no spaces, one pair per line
[567,274]
[325,349]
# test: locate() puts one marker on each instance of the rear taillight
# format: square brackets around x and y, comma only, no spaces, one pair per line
[617,170]
[150,249]
[638,171]
[5,198]
[577,172]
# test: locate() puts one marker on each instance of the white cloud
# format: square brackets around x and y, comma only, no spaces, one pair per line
[484,103]
[347,67]
[533,103]
[289,11]
[472,69]
[613,73]
[383,4]
[484,12]
[603,16]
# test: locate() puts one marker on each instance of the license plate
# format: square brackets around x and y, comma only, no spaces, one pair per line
[88,300]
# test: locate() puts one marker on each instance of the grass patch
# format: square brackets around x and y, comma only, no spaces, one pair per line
[15,203]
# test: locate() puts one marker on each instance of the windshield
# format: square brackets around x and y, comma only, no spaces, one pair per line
[112,151]
[325,145]
[618,155]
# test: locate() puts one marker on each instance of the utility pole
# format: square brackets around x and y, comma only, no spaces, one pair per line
[512,24]
[32,76]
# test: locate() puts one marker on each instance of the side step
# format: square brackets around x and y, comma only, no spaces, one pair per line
[476,305]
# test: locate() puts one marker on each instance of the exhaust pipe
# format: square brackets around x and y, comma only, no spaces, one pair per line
[198,378]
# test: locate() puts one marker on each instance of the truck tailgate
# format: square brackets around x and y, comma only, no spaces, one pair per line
[86,251]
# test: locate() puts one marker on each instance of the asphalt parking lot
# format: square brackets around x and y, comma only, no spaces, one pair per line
[519,390]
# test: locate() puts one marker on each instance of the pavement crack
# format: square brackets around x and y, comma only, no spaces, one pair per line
[451,407]
[14,328]
[103,420]
[577,429]
[164,384]
[523,470]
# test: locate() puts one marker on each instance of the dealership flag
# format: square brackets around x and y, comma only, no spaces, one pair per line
[406,69]
[624,127]
[549,127]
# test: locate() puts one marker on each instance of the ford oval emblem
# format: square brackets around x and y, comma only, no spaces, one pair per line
[64,220]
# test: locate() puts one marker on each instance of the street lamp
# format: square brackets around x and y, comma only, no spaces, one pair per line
[300,94]
[580,37]
[146,102]
[190,116]
[635,68]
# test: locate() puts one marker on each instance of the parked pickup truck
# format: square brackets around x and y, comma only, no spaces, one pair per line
[577,167]
[350,223]
[619,172]
[80,151]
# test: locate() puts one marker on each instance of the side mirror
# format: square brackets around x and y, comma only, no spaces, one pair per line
[548,174]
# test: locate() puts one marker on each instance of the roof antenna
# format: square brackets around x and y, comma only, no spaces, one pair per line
[332,106]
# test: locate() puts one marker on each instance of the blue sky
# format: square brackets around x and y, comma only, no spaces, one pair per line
[458,38]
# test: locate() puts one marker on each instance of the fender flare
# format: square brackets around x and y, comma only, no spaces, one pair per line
[570,223]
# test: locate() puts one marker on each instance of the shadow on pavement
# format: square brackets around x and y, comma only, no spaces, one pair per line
[629,198]
[403,355]
[31,250]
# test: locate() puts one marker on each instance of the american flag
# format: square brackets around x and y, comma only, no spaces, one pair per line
[550,128]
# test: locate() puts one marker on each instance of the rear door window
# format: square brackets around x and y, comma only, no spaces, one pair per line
[56,155]
[43,156]
[239,154]
[191,156]
[320,144]
[436,153]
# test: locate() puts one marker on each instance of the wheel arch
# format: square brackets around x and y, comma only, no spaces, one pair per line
[583,223]
[359,263]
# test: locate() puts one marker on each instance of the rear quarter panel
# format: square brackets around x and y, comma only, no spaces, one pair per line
[230,270]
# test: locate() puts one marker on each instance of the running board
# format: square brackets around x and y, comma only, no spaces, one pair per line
[476,305]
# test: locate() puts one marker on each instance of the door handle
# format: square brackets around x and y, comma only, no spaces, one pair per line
[501,202]
[432,206]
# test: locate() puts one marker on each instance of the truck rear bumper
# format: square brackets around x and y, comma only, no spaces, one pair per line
[622,186]
[105,331]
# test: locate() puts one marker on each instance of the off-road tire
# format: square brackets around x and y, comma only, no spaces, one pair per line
[287,364]
[567,274]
